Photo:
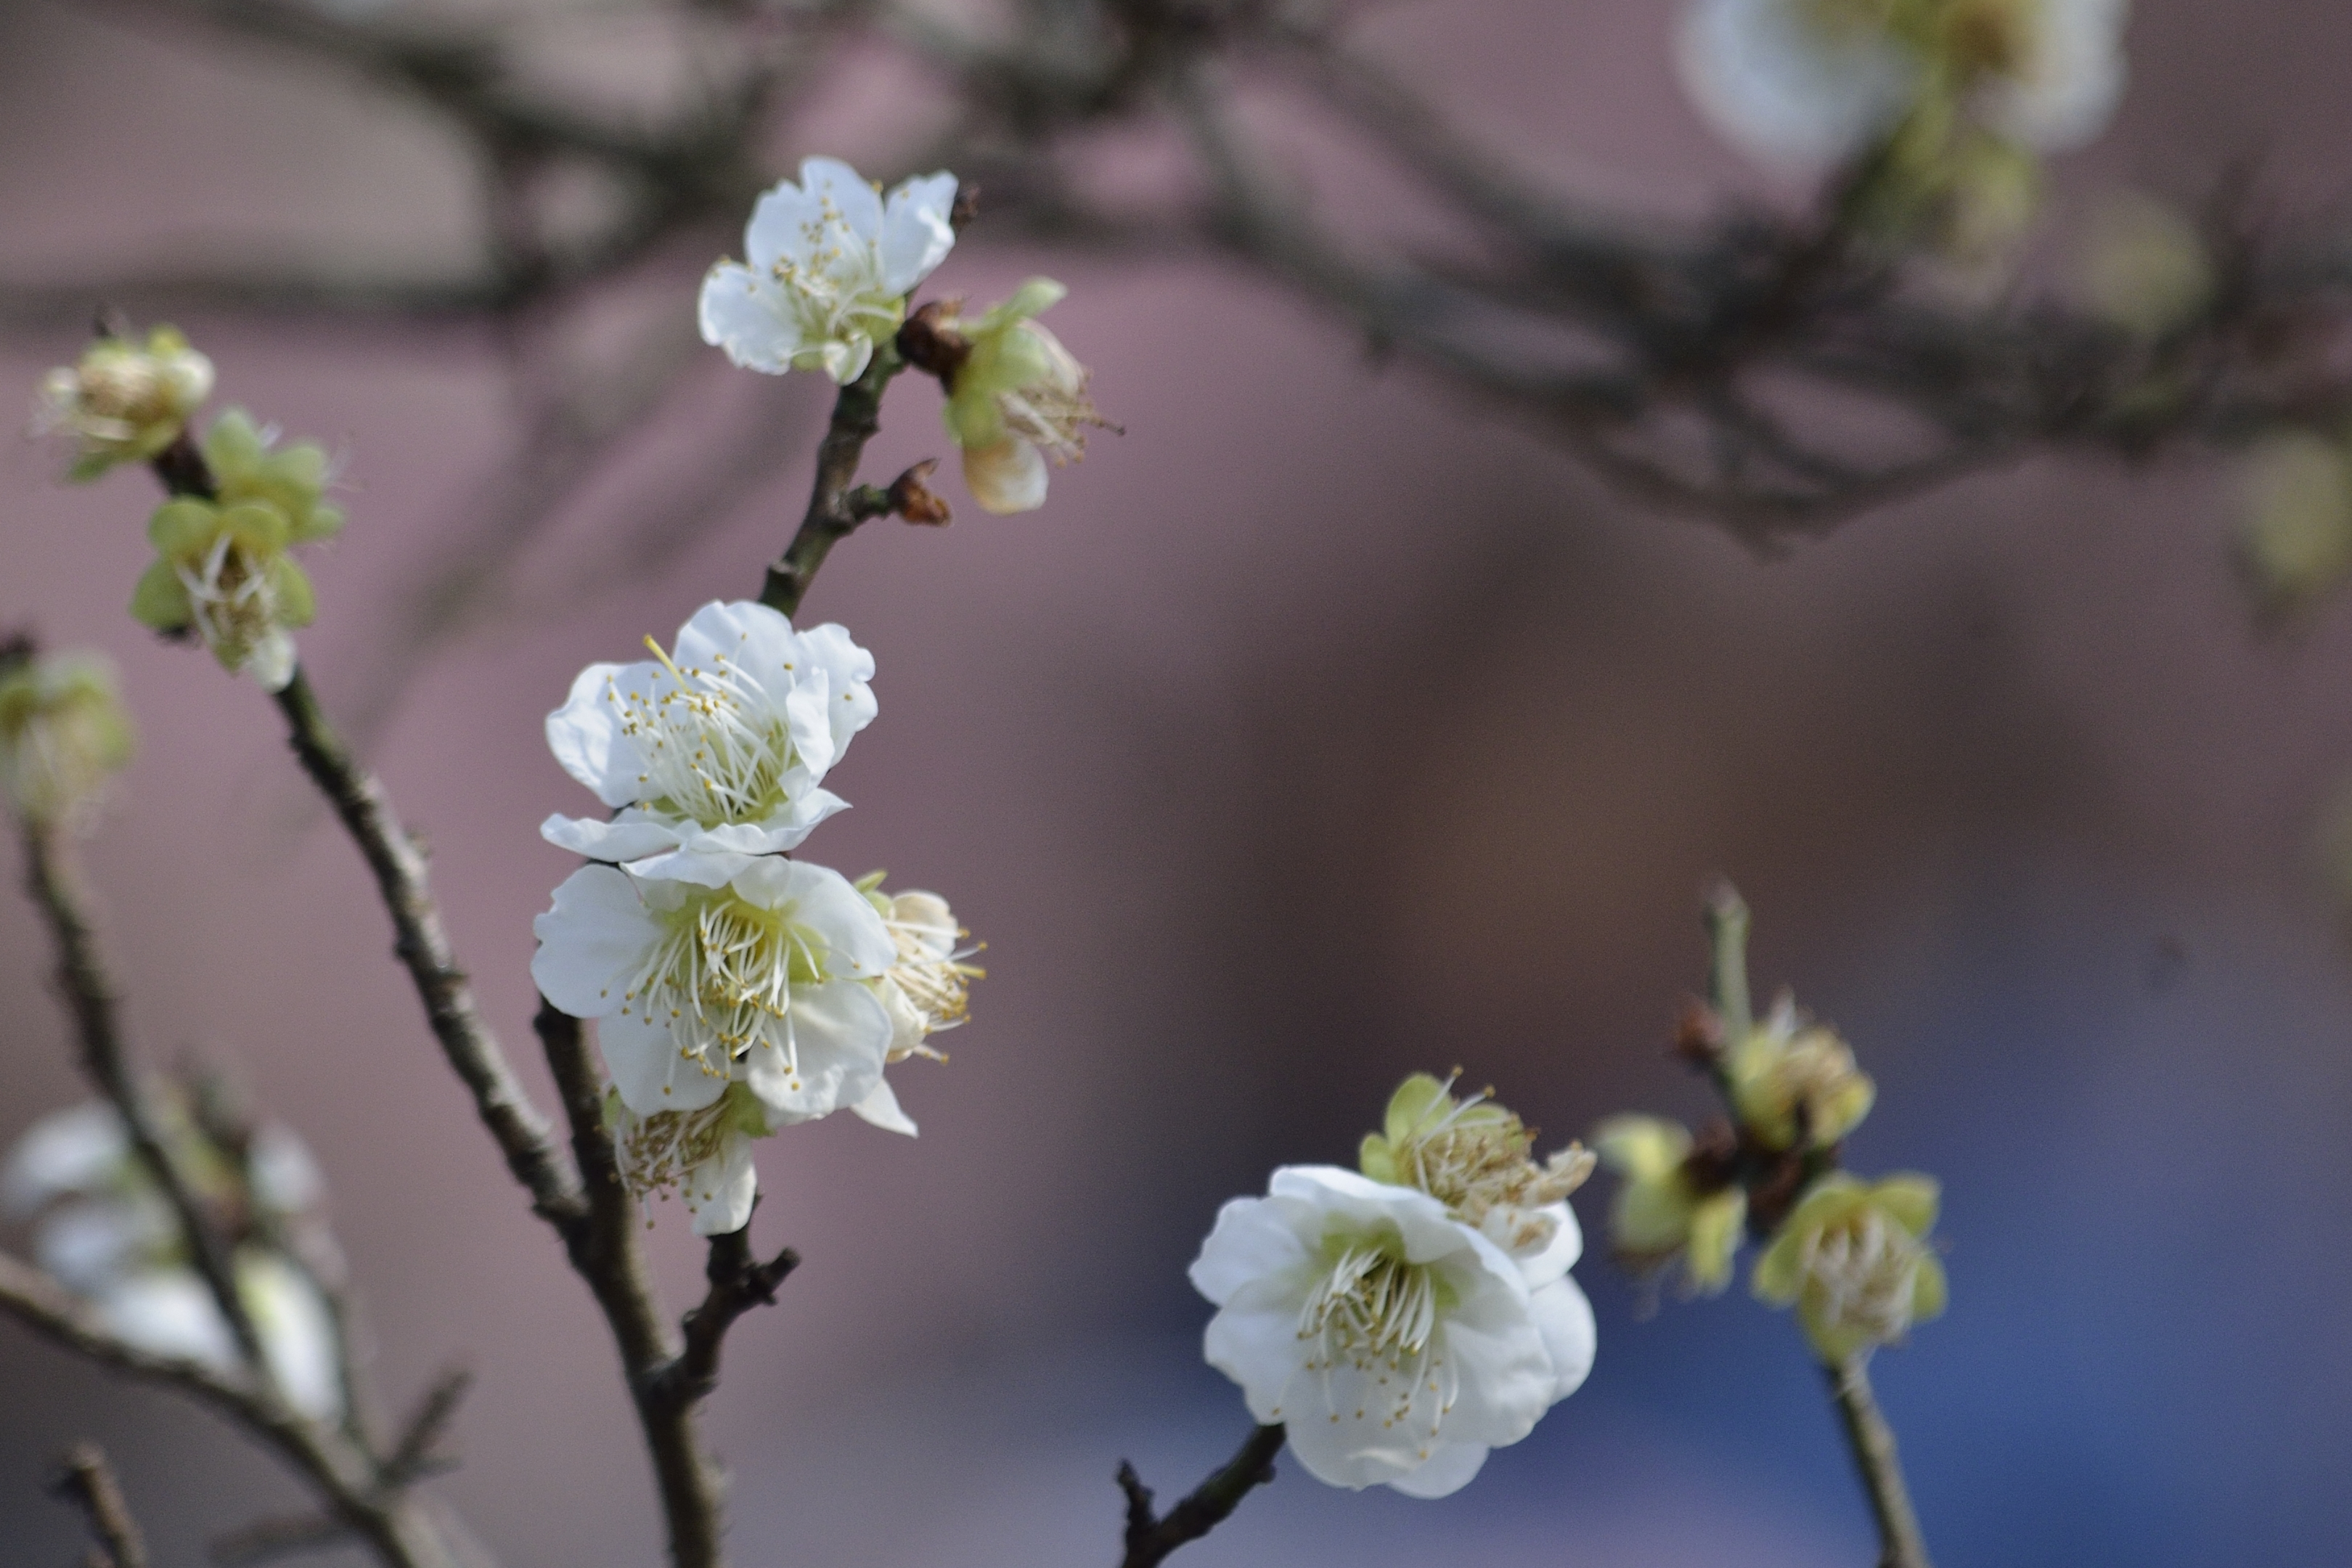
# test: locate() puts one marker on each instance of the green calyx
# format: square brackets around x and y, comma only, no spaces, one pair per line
[232,551]
[1003,356]
[1660,1212]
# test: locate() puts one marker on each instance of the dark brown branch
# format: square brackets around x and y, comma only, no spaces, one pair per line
[605,1246]
[89,996]
[1151,1537]
[88,1482]
[739,1282]
[837,504]
[422,944]
[1873,1443]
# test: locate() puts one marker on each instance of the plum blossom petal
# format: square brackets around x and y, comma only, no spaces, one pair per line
[1388,1336]
[830,267]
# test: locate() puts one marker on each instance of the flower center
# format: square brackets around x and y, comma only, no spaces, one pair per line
[1377,1315]
[657,1151]
[931,970]
[231,599]
[1863,1274]
[721,979]
[704,755]
[834,285]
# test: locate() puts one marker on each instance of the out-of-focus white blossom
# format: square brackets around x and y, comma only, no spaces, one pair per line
[831,262]
[1817,81]
[105,1232]
[716,749]
[764,976]
[1396,1344]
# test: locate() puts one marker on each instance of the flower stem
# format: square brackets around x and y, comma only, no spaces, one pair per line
[1727,935]
[1151,1538]
[1873,1441]
[836,505]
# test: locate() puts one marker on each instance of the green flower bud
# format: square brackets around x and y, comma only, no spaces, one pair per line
[1663,1211]
[1789,1076]
[63,733]
[124,402]
[294,480]
[1854,1259]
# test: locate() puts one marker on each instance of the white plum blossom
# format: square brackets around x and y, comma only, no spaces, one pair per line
[762,972]
[926,990]
[1397,1344]
[105,1233]
[703,1155]
[831,264]
[716,748]
[1813,82]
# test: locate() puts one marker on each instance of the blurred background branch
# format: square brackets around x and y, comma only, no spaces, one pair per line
[1713,369]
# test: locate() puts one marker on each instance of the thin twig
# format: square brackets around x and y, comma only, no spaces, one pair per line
[739,1282]
[89,994]
[1873,1442]
[413,1456]
[1151,1537]
[422,944]
[837,504]
[88,1481]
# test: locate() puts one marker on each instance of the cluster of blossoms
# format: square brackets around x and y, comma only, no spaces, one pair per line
[63,733]
[830,262]
[737,991]
[223,571]
[1956,97]
[1404,1319]
[103,1231]
[1852,1257]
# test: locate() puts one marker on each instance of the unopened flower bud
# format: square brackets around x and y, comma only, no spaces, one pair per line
[1666,1206]
[1793,1080]
[222,567]
[2294,547]
[124,402]
[1017,399]
[912,498]
[63,733]
[1854,1260]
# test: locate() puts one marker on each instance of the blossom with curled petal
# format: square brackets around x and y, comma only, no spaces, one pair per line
[717,747]
[831,262]
[1852,1257]
[1397,1344]
[1814,81]
[124,402]
[63,733]
[927,990]
[703,1155]
[759,969]
[1016,398]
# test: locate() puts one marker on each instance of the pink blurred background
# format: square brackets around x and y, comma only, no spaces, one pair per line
[1322,729]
